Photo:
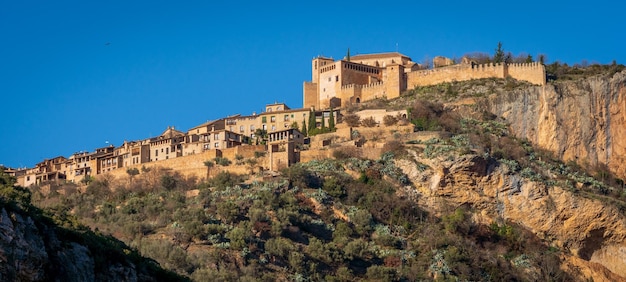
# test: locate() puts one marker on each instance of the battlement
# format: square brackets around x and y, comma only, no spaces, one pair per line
[485,66]
[534,65]
[352,81]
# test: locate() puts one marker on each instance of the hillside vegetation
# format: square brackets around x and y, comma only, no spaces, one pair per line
[468,206]
[38,245]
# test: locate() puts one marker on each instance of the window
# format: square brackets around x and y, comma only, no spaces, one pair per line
[286,117]
[251,127]
[167,150]
[216,137]
[336,78]
[264,119]
[273,127]
[329,79]
[264,127]
[217,145]
[156,153]
[273,119]
[241,128]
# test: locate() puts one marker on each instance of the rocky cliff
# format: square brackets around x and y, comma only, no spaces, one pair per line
[581,120]
[590,233]
[34,249]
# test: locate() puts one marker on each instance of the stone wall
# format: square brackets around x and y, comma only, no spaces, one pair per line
[193,165]
[534,73]
[310,99]
[454,73]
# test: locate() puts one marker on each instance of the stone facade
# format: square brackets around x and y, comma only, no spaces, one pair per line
[387,75]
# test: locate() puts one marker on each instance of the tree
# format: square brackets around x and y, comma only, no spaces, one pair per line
[542,58]
[323,121]
[331,120]
[131,173]
[260,134]
[529,59]
[238,159]
[498,57]
[312,121]
[209,165]
[348,55]
[304,128]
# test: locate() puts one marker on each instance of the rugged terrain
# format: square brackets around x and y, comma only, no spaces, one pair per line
[581,120]
[33,247]
[488,189]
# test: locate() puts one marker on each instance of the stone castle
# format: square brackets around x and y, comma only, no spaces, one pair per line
[334,85]
[337,83]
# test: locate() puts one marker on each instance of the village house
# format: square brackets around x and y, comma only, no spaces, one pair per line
[334,84]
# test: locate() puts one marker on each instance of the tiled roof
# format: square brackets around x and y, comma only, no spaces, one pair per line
[377,55]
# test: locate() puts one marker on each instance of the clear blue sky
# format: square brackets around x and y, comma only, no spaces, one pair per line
[75,74]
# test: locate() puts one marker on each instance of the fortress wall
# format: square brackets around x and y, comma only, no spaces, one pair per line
[192,165]
[534,73]
[310,98]
[247,151]
[348,92]
[372,91]
[454,73]
[349,76]
[309,155]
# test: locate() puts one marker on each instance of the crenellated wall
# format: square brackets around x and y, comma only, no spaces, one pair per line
[454,73]
[531,72]
[534,73]
[336,83]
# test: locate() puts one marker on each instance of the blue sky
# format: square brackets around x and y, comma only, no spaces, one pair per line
[76,74]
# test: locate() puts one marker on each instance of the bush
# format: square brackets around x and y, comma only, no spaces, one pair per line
[395,147]
[225,179]
[222,161]
[301,177]
[369,122]
[389,120]
[343,153]
[352,120]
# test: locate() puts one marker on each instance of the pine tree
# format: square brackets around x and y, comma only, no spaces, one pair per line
[312,122]
[331,120]
[323,121]
[304,130]
[498,57]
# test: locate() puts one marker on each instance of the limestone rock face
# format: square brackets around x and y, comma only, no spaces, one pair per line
[591,233]
[582,120]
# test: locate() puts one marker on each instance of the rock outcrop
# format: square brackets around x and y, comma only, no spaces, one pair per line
[32,250]
[591,233]
[581,120]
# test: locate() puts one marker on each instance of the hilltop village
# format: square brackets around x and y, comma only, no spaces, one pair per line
[275,137]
